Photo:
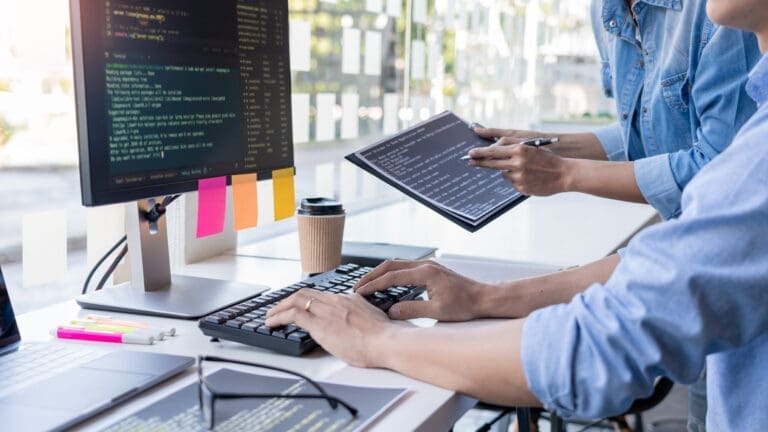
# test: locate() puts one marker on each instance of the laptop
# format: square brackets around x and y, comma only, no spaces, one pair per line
[53,386]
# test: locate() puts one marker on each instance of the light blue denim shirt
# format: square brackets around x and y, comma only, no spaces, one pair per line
[688,291]
[684,78]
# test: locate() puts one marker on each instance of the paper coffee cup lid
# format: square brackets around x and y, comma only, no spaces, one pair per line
[320,206]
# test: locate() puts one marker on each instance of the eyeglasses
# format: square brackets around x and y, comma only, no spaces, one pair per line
[207,396]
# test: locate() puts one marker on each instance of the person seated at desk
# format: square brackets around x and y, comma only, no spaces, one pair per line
[686,293]
[678,81]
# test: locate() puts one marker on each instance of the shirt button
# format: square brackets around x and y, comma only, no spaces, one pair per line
[612,24]
[624,116]
[645,110]
[642,63]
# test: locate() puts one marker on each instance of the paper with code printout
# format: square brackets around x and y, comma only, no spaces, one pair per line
[180,411]
[425,161]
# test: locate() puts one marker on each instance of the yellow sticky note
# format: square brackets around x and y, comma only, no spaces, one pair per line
[246,201]
[285,193]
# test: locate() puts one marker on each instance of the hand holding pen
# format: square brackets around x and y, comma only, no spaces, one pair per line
[533,142]
[529,169]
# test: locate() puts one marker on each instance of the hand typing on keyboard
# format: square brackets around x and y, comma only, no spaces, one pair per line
[347,325]
[452,297]
[245,322]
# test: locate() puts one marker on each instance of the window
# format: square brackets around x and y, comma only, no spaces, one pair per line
[361,69]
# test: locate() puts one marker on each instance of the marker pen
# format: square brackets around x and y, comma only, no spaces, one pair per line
[102,336]
[101,319]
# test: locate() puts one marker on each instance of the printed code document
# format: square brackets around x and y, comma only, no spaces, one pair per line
[424,162]
[180,411]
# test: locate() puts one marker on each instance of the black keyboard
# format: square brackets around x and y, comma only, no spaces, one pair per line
[244,322]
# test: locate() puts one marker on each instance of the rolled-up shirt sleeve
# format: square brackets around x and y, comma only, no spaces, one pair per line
[661,313]
[656,182]
[612,140]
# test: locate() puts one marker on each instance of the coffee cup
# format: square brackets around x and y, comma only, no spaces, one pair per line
[321,232]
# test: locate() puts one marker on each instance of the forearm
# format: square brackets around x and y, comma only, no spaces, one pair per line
[615,180]
[519,298]
[482,361]
[578,146]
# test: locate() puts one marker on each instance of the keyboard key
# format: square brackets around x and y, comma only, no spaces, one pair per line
[234,324]
[279,332]
[299,336]
[251,326]
[215,319]
[264,330]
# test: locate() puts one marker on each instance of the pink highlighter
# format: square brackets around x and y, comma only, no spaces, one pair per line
[102,336]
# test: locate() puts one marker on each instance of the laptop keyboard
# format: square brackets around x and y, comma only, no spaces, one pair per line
[35,362]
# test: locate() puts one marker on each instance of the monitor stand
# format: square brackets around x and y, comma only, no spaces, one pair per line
[153,290]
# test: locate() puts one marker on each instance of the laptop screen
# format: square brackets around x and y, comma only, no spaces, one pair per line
[9,331]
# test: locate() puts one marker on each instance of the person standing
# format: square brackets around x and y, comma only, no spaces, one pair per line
[678,81]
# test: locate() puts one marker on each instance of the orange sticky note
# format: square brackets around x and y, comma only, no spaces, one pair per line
[285,193]
[245,194]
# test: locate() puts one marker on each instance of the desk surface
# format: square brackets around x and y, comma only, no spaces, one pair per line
[539,230]
[564,230]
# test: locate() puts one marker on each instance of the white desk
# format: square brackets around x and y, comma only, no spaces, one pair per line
[564,230]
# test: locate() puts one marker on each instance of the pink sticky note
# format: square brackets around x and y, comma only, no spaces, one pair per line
[211,206]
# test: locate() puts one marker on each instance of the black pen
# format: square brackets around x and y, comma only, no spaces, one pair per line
[535,142]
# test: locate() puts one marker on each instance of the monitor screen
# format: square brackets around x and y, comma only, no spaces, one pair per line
[172,91]
[9,331]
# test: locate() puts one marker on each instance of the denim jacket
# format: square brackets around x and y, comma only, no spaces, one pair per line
[679,79]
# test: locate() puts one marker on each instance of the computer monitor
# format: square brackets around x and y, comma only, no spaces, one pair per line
[169,92]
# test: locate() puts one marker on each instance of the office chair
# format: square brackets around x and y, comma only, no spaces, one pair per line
[661,389]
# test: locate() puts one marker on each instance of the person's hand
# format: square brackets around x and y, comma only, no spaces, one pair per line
[452,297]
[508,136]
[531,170]
[345,325]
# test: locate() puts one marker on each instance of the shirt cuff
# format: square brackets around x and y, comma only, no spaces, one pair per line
[657,184]
[537,348]
[612,140]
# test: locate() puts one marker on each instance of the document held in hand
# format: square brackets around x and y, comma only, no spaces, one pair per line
[424,162]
